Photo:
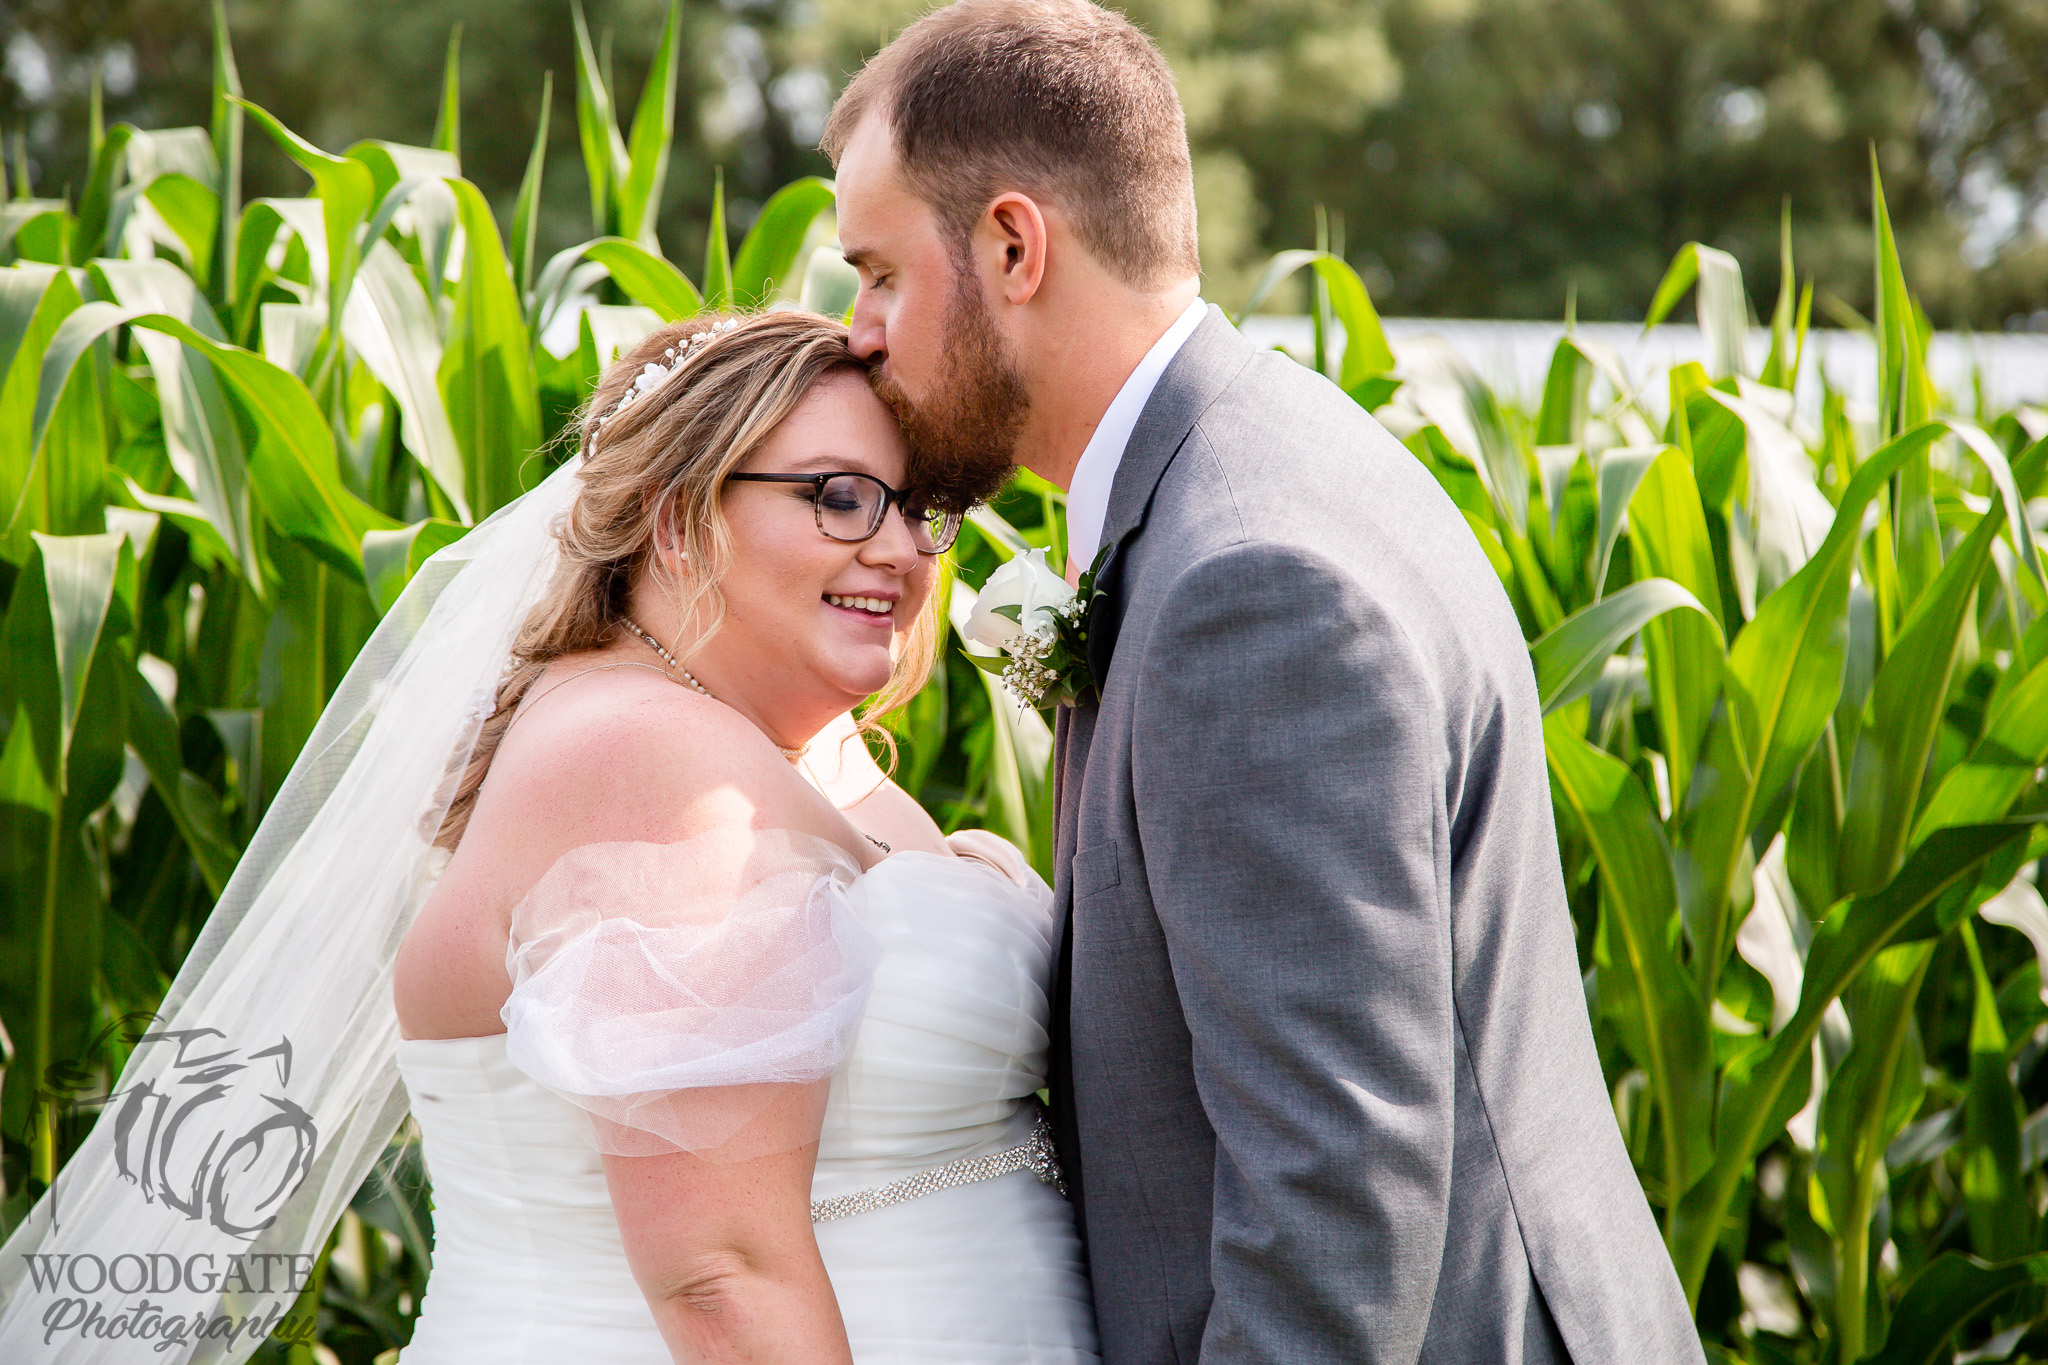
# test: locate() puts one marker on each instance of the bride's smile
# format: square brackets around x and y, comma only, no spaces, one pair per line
[813,623]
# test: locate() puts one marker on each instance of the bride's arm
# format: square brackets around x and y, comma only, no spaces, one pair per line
[721,1248]
[726,1258]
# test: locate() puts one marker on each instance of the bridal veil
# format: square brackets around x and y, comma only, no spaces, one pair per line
[254,1108]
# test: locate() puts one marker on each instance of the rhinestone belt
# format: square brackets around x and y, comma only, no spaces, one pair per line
[1036,1155]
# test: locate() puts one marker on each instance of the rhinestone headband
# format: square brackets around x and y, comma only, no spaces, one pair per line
[655,373]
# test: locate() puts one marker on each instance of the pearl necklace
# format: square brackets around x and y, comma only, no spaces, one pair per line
[690,679]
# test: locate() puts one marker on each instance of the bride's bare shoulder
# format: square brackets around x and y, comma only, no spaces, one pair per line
[625,754]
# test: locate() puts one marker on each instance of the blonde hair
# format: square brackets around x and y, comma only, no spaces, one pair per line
[652,476]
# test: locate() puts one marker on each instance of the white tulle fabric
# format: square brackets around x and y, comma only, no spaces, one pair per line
[528,1266]
[692,996]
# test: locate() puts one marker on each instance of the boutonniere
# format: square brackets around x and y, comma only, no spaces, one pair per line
[1039,626]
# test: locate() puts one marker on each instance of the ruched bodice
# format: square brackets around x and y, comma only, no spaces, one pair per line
[950,1048]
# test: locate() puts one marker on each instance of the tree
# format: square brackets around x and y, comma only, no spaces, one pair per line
[1485,157]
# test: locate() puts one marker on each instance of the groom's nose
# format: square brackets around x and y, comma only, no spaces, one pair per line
[870,341]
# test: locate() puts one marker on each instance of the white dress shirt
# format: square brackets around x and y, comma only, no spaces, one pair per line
[1088,495]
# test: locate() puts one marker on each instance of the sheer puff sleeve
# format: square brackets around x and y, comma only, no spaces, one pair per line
[693,996]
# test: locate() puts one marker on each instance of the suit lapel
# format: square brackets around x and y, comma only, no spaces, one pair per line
[1211,357]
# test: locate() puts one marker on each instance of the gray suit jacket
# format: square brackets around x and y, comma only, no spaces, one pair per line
[1324,1080]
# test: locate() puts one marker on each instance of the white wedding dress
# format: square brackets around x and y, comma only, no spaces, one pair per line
[528,1265]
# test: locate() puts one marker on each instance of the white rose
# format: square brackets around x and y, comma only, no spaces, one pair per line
[1027,583]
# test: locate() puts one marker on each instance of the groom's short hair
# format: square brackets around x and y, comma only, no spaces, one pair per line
[1060,99]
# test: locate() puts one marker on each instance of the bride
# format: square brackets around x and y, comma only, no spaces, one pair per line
[693,925]
[718,1048]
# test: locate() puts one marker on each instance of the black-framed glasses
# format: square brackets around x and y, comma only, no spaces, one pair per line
[850,507]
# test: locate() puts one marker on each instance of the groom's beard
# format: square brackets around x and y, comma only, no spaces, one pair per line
[963,436]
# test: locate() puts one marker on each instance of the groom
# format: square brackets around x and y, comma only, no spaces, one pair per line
[1324,1076]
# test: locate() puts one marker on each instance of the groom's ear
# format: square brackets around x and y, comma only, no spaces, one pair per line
[1014,238]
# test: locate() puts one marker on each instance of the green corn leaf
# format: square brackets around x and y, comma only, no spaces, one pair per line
[2005,480]
[417,176]
[392,327]
[1020,786]
[1986,783]
[1569,657]
[1686,656]
[1654,1003]
[487,374]
[653,129]
[1496,553]
[768,253]
[717,256]
[1952,1290]
[597,128]
[1282,265]
[1005,539]
[1998,1201]
[1620,475]
[39,230]
[1723,307]
[187,516]
[204,441]
[1783,679]
[249,265]
[32,305]
[1757,1098]
[226,133]
[1905,399]
[1872,1095]
[192,212]
[1789,514]
[69,624]
[1554,466]
[647,279]
[1781,367]
[1374,393]
[292,466]
[78,578]
[830,285]
[1561,420]
[22,289]
[392,164]
[52,470]
[607,331]
[526,209]
[1450,395]
[448,118]
[1903,717]
[345,189]
[1366,352]
[89,236]
[153,730]
[391,557]
[1905,396]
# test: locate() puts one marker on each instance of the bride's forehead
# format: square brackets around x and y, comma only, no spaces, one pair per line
[826,449]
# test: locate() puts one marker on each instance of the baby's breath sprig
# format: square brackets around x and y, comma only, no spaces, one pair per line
[1043,662]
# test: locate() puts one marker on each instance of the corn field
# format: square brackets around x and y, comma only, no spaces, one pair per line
[1795,675]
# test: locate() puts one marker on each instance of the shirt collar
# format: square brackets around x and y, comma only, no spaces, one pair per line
[1088,494]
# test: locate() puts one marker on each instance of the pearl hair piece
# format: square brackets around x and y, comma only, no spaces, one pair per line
[655,373]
